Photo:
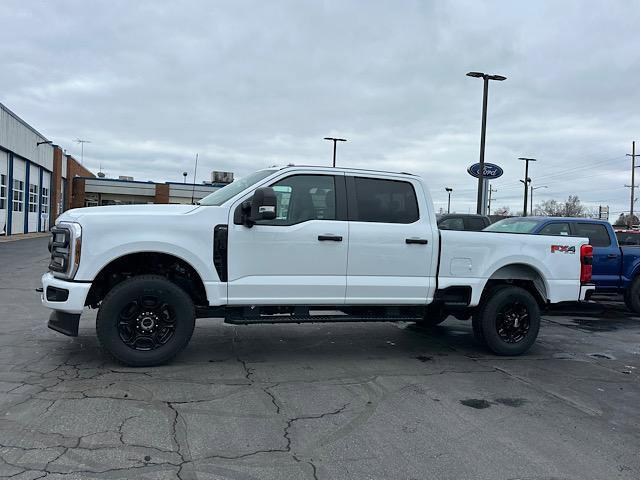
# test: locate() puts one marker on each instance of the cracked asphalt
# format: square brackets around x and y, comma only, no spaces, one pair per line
[352,401]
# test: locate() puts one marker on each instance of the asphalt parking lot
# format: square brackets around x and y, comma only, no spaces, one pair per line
[353,401]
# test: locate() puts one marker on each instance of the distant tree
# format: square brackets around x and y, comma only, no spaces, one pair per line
[573,207]
[626,220]
[569,208]
[549,208]
[504,211]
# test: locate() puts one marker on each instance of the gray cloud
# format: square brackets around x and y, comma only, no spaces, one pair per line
[251,84]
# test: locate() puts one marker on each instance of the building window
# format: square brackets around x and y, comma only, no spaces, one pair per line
[33,198]
[3,191]
[45,200]
[18,195]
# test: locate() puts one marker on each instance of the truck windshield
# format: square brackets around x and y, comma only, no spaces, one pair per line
[514,225]
[218,197]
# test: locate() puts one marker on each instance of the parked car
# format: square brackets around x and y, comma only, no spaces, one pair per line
[616,267]
[460,221]
[296,245]
[628,237]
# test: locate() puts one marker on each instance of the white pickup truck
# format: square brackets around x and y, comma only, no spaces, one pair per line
[300,244]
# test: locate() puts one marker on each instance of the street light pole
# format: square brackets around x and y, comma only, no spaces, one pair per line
[531,199]
[526,181]
[449,190]
[335,141]
[483,132]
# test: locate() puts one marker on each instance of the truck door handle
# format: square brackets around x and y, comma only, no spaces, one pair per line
[330,238]
[612,255]
[419,241]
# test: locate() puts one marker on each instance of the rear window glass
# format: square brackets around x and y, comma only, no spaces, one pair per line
[555,229]
[475,224]
[385,201]
[513,225]
[453,223]
[628,239]
[597,234]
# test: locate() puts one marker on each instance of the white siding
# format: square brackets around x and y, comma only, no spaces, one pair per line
[46,206]
[20,138]
[120,188]
[4,170]
[182,193]
[17,217]
[34,179]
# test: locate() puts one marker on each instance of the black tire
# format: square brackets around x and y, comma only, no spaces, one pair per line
[433,316]
[145,320]
[476,319]
[477,330]
[509,320]
[632,296]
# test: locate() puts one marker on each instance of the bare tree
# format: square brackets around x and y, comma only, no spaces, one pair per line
[573,207]
[626,220]
[570,208]
[504,211]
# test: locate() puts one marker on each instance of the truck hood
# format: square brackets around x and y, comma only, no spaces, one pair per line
[125,210]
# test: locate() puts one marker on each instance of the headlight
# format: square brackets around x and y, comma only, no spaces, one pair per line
[65,246]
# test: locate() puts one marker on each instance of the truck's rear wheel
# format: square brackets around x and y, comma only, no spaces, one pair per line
[145,320]
[508,320]
[632,296]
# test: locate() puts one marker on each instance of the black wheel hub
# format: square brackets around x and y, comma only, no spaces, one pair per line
[512,322]
[146,323]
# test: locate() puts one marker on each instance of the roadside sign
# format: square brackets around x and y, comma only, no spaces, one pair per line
[491,171]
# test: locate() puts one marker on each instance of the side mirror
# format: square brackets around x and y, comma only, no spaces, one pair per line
[262,206]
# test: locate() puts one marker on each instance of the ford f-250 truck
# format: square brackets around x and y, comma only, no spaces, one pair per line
[300,244]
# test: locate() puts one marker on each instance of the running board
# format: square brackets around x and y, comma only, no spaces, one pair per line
[300,314]
[316,319]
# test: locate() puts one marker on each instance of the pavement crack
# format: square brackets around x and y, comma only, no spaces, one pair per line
[248,371]
[272,396]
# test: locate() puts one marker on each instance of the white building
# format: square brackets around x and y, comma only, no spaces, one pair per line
[26,166]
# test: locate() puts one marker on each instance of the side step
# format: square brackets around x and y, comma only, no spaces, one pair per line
[316,319]
[250,316]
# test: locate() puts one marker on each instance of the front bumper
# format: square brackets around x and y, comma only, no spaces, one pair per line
[586,291]
[74,302]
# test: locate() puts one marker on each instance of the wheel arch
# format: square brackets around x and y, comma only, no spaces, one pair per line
[173,267]
[523,275]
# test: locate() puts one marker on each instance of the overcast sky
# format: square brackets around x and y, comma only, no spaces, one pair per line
[251,84]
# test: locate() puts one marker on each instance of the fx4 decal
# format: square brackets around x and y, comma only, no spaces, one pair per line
[563,249]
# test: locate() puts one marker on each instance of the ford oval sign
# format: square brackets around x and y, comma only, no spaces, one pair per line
[491,171]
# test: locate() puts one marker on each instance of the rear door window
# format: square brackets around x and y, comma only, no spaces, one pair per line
[385,201]
[628,239]
[597,234]
[559,228]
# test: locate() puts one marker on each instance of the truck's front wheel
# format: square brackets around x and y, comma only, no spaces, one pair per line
[145,320]
[508,320]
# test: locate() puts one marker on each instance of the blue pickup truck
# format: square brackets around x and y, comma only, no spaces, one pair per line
[616,269]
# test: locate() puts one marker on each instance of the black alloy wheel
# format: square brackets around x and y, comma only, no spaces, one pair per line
[507,320]
[146,323]
[145,320]
[512,322]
